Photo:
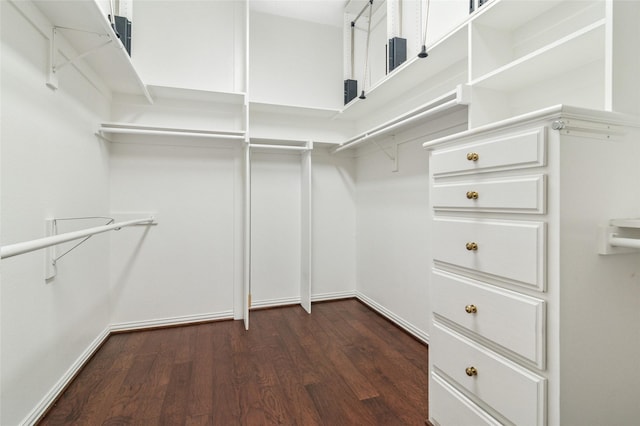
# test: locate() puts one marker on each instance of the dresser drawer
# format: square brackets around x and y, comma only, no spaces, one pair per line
[448,407]
[511,320]
[505,249]
[524,195]
[516,393]
[513,151]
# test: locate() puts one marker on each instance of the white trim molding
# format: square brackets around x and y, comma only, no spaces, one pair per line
[402,323]
[171,321]
[57,389]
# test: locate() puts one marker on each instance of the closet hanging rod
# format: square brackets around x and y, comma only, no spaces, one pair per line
[153,132]
[394,125]
[284,147]
[28,246]
[624,242]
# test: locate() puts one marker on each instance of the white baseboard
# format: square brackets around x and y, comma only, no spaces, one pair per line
[333,296]
[407,326]
[271,303]
[171,321]
[64,381]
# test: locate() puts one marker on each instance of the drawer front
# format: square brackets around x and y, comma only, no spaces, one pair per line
[524,195]
[511,320]
[506,249]
[513,151]
[516,393]
[448,407]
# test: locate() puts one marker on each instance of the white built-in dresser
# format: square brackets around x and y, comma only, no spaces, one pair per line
[530,325]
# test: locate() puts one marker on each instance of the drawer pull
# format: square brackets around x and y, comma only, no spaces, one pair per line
[472,156]
[472,195]
[472,246]
[471,309]
[471,371]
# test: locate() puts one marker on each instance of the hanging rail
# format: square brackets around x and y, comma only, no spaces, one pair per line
[160,131]
[28,246]
[416,114]
[610,240]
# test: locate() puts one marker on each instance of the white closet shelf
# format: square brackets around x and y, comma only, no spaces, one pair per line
[112,62]
[545,63]
[138,129]
[511,14]
[296,110]
[449,50]
[180,93]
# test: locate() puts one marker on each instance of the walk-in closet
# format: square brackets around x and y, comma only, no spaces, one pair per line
[320,212]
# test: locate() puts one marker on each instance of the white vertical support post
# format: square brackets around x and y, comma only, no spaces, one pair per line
[393,19]
[306,234]
[247,235]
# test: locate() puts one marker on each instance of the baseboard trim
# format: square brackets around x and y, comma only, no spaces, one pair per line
[272,303]
[43,406]
[333,296]
[170,322]
[400,322]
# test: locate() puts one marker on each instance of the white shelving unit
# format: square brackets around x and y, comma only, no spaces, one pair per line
[84,25]
[528,55]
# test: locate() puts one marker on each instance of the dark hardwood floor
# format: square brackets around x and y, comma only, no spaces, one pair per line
[341,365]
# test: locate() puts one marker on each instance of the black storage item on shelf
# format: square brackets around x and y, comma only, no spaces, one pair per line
[350,90]
[123,31]
[397,52]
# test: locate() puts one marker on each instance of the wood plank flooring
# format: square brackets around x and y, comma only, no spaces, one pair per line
[341,365]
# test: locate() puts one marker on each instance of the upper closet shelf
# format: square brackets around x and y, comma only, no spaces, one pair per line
[510,14]
[449,50]
[135,129]
[585,45]
[87,29]
[303,111]
[179,93]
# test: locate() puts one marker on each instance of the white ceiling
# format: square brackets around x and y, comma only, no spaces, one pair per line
[328,12]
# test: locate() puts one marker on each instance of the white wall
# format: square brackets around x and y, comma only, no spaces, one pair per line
[187,265]
[190,44]
[275,227]
[333,225]
[393,230]
[52,165]
[294,62]
[393,234]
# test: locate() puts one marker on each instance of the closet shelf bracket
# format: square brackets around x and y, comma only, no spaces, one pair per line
[52,80]
[394,156]
[619,237]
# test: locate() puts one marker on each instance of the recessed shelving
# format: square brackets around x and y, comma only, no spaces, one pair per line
[85,26]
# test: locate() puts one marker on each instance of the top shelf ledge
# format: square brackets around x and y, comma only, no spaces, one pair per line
[111,63]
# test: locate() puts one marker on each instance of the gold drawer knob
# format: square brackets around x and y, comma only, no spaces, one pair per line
[472,156]
[471,309]
[472,246]
[471,371]
[472,195]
